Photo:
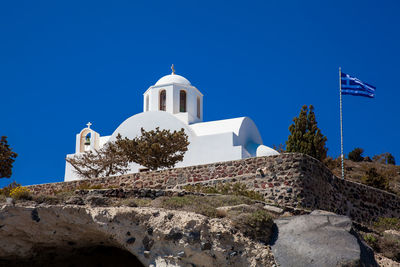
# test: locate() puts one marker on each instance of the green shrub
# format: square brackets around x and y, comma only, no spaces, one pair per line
[256,225]
[331,163]
[375,179]
[356,154]
[371,240]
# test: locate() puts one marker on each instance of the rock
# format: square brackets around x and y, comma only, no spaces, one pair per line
[224,211]
[150,230]
[273,209]
[175,234]
[318,239]
[147,243]
[74,200]
[10,201]
[385,262]
[193,236]
[206,246]
[35,215]
[392,232]
[131,240]
[69,227]
[97,201]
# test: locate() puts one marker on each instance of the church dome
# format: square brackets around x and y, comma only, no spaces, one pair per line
[173,78]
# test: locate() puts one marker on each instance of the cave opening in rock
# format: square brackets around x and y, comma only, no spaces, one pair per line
[96,256]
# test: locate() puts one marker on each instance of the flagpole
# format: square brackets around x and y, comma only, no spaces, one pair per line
[341,121]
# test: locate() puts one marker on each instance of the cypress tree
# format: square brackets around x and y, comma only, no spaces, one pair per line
[7,158]
[305,136]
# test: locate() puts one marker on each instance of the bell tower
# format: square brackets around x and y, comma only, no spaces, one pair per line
[87,140]
[175,94]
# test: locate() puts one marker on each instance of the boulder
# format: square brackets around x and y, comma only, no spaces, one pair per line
[319,239]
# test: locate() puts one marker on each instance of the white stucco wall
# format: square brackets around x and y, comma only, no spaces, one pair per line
[209,142]
[173,84]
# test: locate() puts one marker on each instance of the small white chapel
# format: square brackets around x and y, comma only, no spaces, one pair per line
[174,103]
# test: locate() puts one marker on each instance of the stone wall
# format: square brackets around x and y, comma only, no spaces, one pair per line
[291,179]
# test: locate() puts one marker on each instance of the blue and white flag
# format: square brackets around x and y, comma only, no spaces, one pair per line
[353,86]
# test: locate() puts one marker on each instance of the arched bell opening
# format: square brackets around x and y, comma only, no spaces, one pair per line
[91,256]
[85,140]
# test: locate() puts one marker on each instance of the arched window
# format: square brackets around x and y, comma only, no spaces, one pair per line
[147,102]
[163,100]
[182,101]
[198,107]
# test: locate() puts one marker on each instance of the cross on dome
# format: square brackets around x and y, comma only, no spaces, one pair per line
[89,124]
[173,69]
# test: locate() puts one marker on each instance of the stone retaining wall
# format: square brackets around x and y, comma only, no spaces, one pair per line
[290,179]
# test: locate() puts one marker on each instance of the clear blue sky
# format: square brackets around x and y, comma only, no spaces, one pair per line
[64,63]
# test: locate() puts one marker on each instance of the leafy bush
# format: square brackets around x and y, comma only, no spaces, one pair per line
[384,158]
[390,159]
[331,163]
[367,159]
[280,148]
[374,179]
[7,189]
[371,240]
[155,149]
[20,192]
[356,154]
[109,160]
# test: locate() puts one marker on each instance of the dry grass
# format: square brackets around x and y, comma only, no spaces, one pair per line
[205,205]
[236,189]
[355,171]
[383,242]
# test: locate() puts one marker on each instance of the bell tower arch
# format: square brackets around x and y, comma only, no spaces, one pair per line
[87,140]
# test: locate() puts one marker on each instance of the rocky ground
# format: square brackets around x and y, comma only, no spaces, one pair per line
[169,228]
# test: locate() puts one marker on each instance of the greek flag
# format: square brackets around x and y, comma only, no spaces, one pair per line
[353,86]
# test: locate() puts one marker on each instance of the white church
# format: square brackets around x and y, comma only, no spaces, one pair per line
[174,103]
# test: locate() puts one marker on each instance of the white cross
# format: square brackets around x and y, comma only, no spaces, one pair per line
[88,124]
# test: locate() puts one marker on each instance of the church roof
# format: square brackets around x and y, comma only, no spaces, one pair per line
[172,78]
[218,127]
